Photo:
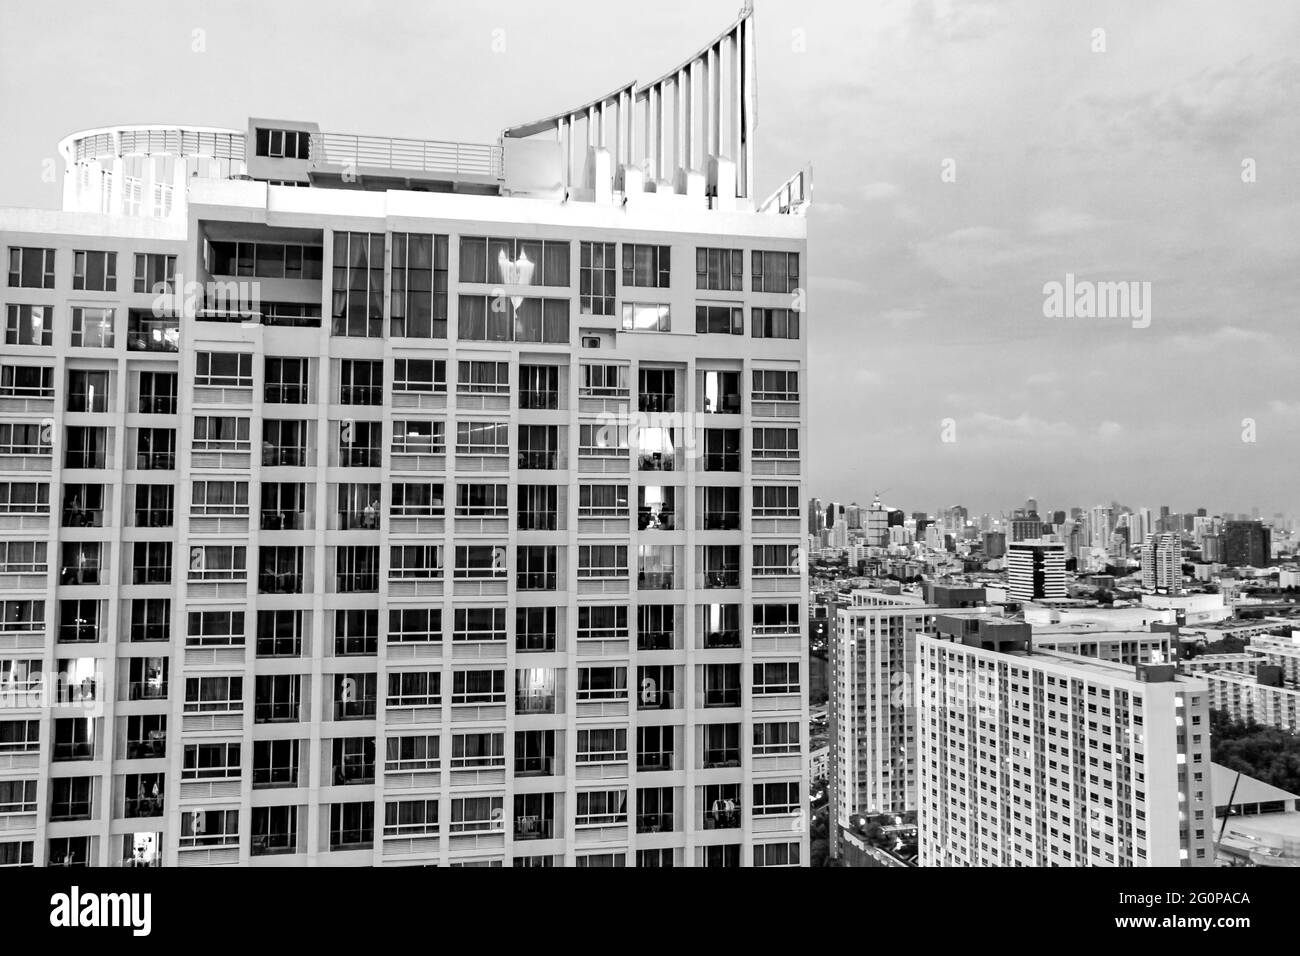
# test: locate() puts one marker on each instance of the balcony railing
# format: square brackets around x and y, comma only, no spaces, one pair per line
[153,517]
[726,757]
[275,712]
[722,639]
[157,404]
[538,460]
[533,828]
[722,697]
[154,745]
[721,579]
[659,760]
[654,640]
[284,455]
[283,521]
[279,582]
[656,521]
[654,823]
[147,690]
[658,700]
[534,703]
[537,398]
[534,766]
[83,517]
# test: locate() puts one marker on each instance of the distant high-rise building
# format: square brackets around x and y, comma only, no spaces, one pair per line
[873,747]
[1106,764]
[995,544]
[1212,548]
[1058,517]
[1026,525]
[1031,504]
[1035,570]
[877,525]
[1246,544]
[815,520]
[853,515]
[1162,563]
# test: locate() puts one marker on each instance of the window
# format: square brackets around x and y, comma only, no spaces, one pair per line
[29,325]
[415,625]
[776,737]
[156,449]
[360,444]
[92,328]
[218,563]
[283,143]
[352,826]
[654,748]
[264,260]
[775,323]
[215,628]
[158,393]
[602,561]
[538,507]
[476,561]
[477,815]
[776,798]
[275,763]
[776,443]
[22,616]
[655,627]
[422,499]
[482,438]
[418,280]
[596,279]
[775,385]
[413,562]
[214,695]
[28,498]
[776,618]
[221,433]
[535,629]
[601,808]
[358,299]
[776,501]
[211,761]
[361,382]
[603,501]
[539,386]
[646,317]
[17,439]
[479,624]
[18,796]
[224,369]
[87,391]
[155,273]
[410,817]
[604,745]
[499,319]
[604,381]
[514,262]
[775,271]
[419,437]
[538,447]
[719,270]
[420,375]
[220,498]
[356,631]
[535,568]
[602,622]
[780,677]
[286,381]
[357,569]
[476,751]
[602,683]
[483,378]
[151,619]
[23,557]
[602,441]
[646,266]
[27,381]
[776,560]
[776,854]
[415,690]
[405,754]
[482,501]
[720,319]
[21,736]
[31,268]
[94,271]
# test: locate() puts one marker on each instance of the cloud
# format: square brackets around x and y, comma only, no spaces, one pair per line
[1023,427]
[901,317]
[1042,378]
[1108,430]
[1279,407]
[1063,221]
[873,192]
[1224,337]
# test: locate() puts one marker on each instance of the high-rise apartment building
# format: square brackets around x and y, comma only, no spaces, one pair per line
[1035,570]
[1246,544]
[1028,757]
[382,501]
[873,750]
[1162,563]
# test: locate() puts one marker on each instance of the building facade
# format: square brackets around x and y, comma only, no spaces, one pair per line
[374,502]
[1035,758]
[1035,570]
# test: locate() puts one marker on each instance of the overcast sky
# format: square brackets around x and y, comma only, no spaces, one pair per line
[926,297]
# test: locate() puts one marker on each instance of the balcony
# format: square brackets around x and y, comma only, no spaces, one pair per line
[144,806]
[293,456]
[726,578]
[357,582]
[654,640]
[151,574]
[655,461]
[662,520]
[287,395]
[721,757]
[545,399]
[273,843]
[357,457]
[538,460]
[363,709]
[275,712]
[153,517]
[365,520]
[283,521]
[77,517]
[654,823]
[418,159]
[354,772]
[654,761]
[655,402]
[534,704]
[657,700]
[143,632]
[721,520]
[154,744]
[152,335]
[717,640]
[655,580]
[279,582]
[157,405]
[723,815]
[155,461]
[361,395]
[534,828]
[722,462]
[535,581]
[721,696]
[147,690]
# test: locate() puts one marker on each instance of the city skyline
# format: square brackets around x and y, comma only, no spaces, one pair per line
[1121,161]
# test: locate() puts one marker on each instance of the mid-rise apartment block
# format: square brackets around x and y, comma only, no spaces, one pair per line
[1028,757]
[1162,563]
[373,501]
[1035,570]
